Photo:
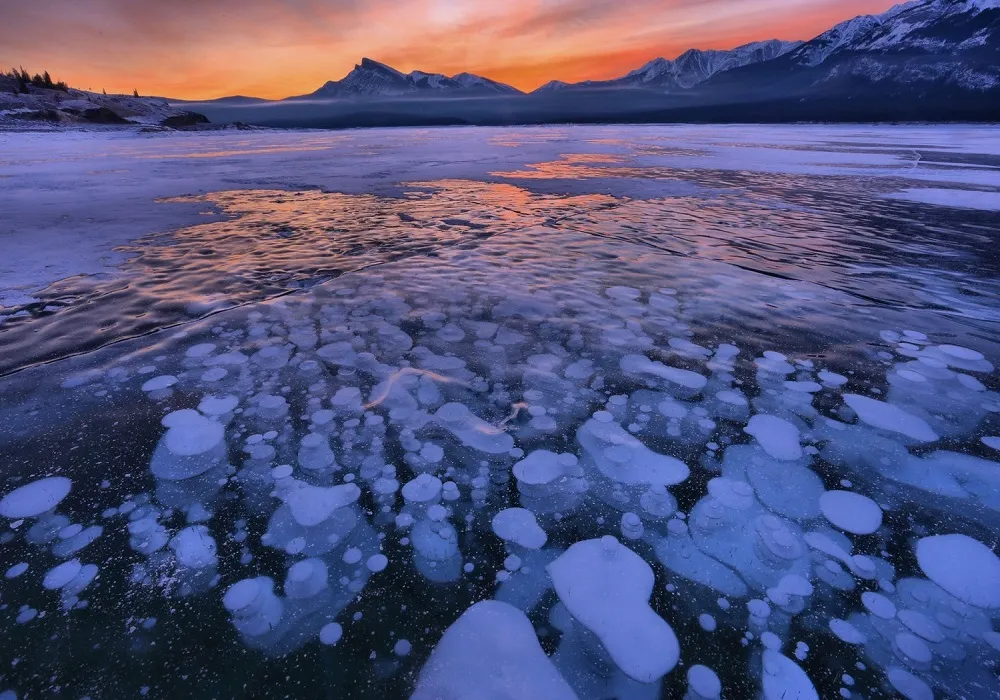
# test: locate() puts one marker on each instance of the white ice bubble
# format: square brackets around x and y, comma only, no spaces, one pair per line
[312,505]
[190,433]
[851,512]
[887,416]
[352,556]
[543,467]
[377,563]
[218,405]
[60,575]
[878,605]
[16,570]
[200,350]
[686,379]
[519,525]
[161,382]
[33,499]
[424,489]
[194,547]
[777,437]
[621,457]
[491,651]
[908,685]
[783,679]
[832,379]
[331,633]
[606,587]
[964,567]
[704,682]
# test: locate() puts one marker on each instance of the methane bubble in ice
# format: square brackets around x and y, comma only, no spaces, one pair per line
[888,417]
[851,512]
[491,651]
[606,586]
[964,567]
[36,498]
[777,437]
[519,526]
[783,679]
[703,683]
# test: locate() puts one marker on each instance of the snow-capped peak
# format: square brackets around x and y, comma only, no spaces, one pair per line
[692,67]
[374,79]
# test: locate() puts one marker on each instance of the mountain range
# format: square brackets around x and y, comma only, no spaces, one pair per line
[373,79]
[691,68]
[923,59]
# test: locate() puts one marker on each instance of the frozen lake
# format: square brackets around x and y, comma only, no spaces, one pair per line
[604,412]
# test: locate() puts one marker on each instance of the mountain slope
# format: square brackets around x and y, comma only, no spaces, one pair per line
[373,79]
[692,67]
[916,50]
[70,106]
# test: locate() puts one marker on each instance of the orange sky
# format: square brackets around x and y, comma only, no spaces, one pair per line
[199,49]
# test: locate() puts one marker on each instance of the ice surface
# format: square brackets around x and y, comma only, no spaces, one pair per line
[964,567]
[606,587]
[407,409]
[491,651]
[31,500]
[967,199]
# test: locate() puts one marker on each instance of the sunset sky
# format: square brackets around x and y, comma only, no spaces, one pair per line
[274,48]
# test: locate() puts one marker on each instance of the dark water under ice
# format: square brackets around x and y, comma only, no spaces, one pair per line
[607,249]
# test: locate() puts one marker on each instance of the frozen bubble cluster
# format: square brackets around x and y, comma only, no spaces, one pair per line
[519,492]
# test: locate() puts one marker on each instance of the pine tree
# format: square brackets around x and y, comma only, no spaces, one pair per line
[135,93]
[22,83]
[47,80]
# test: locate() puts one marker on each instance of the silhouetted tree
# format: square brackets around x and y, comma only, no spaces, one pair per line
[23,79]
[135,93]
[22,83]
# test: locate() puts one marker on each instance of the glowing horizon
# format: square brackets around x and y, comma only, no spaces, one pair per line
[201,49]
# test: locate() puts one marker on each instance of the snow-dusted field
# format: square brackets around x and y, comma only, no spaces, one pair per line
[595,412]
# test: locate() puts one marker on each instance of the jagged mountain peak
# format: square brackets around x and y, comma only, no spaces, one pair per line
[691,68]
[371,78]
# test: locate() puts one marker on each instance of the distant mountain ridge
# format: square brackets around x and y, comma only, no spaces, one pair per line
[373,79]
[691,68]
